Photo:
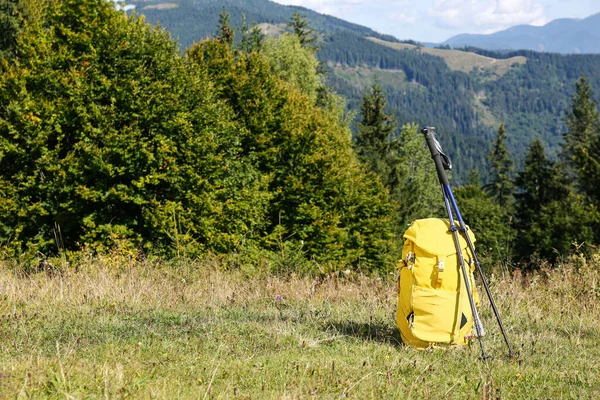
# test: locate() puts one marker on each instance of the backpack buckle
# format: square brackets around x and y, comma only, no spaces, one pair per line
[440,266]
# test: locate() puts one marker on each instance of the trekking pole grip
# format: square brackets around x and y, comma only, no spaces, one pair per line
[437,154]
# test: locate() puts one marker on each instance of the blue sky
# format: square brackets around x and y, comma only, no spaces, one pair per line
[438,20]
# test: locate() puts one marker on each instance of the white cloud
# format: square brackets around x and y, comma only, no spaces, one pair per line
[486,15]
[407,17]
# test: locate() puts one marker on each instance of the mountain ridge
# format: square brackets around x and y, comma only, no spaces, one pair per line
[563,35]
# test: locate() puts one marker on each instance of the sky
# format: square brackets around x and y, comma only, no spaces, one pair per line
[438,20]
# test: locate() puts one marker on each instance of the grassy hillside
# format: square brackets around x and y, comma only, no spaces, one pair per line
[464,61]
[121,327]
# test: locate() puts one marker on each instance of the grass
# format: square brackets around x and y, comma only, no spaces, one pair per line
[464,61]
[115,327]
[363,77]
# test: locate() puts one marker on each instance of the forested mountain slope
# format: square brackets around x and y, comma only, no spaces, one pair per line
[191,20]
[465,95]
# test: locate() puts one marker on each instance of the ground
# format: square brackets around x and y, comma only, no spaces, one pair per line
[116,327]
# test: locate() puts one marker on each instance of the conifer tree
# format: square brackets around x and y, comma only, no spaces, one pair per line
[486,219]
[374,140]
[551,218]
[501,185]
[582,140]
[301,28]
[401,161]
[252,38]
[11,12]
[414,187]
[225,32]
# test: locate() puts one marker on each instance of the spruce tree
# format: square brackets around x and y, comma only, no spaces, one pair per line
[225,32]
[402,160]
[551,218]
[486,219]
[582,140]
[301,28]
[252,38]
[501,184]
[374,140]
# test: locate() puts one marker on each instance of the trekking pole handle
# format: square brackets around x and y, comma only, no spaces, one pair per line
[441,160]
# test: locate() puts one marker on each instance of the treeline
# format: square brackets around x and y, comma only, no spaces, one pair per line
[530,99]
[432,95]
[549,209]
[110,137]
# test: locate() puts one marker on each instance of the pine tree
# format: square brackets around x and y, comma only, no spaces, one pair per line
[375,134]
[301,28]
[582,140]
[550,217]
[486,219]
[225,32]
[252,38]
[501,185]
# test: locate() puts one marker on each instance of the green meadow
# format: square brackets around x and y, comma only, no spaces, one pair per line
[115,327]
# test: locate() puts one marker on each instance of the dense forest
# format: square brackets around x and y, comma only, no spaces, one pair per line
[112,138]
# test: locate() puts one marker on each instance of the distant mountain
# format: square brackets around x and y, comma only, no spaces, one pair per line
[566,36]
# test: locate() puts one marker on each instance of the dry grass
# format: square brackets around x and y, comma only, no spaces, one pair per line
[153,329]
[463,61]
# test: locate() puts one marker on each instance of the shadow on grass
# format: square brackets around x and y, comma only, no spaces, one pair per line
[376,332]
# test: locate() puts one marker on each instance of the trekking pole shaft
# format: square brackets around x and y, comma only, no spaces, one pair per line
[464,229]
[461,260]
[436,155]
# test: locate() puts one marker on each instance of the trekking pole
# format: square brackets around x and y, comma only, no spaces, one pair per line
[442,163]
[464,229]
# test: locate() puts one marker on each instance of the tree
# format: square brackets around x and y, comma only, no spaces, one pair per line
[9,26]
[374,140]
[486,219]
[582,140]
[252,39]
[225,32]
[501,184]
[109,136]
[293,63]
[301,28]
[322,200]
[550,218]
[401,161]
[415,187]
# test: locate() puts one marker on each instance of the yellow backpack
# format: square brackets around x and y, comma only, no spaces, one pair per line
[433,306]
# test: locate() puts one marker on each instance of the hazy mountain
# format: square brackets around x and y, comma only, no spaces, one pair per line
[566,36]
